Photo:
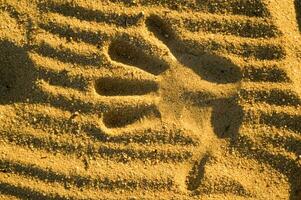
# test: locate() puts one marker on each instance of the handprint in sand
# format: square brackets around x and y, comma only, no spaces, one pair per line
[187,89]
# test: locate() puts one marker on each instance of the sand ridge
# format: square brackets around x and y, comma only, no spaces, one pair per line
[149,99]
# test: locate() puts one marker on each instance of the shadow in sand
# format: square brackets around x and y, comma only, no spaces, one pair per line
[17,74]
[196,174]
[298,12]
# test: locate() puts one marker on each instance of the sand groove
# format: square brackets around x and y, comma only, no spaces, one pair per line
[149,99]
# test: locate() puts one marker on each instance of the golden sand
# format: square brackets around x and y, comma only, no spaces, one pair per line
[150,99]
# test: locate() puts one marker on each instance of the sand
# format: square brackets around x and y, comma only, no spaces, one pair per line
[150,99]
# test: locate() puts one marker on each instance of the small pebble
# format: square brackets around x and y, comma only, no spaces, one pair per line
[75,114]
[34,120]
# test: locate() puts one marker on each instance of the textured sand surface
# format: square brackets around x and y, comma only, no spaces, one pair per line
[150,99]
